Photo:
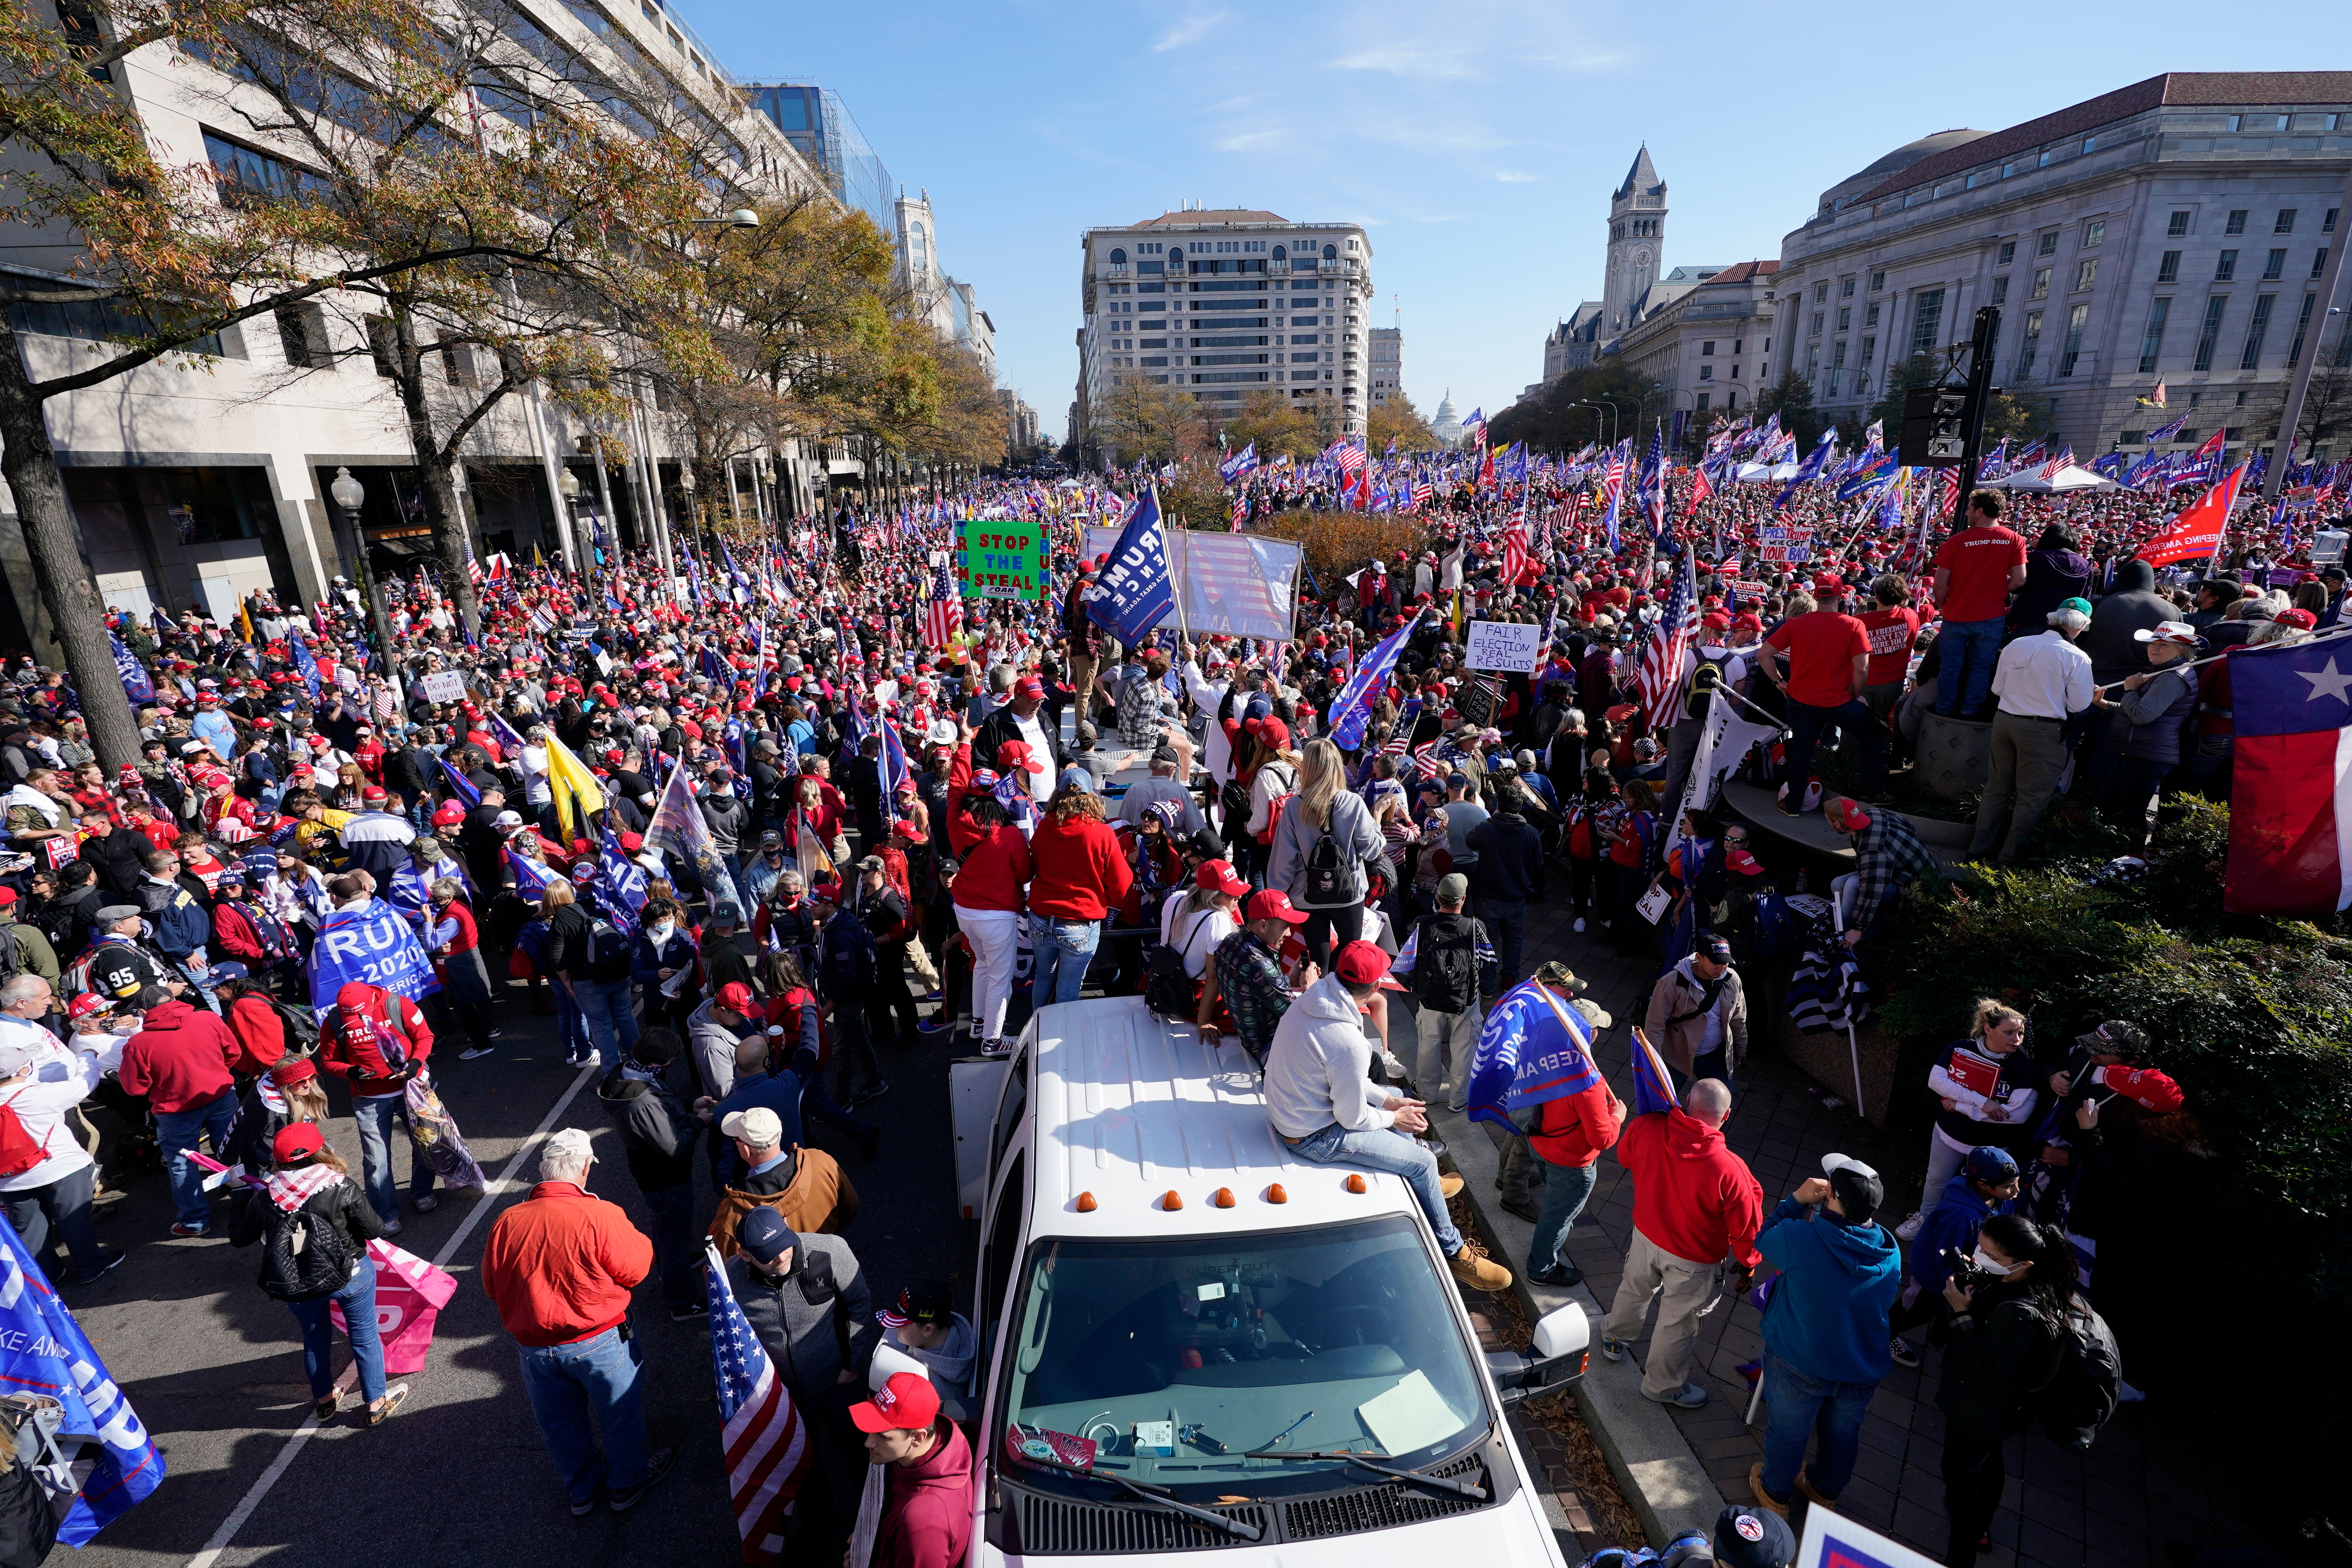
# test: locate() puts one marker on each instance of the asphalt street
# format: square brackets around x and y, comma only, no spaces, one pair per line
[214,1366]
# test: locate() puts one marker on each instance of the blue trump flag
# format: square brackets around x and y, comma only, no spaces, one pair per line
[43,1351]
[532,877]
[1134,591]
[1807,470]
[373,944]
[1654,1087]
[624,884]
[459,784]
[136,683]
[1354,704]
[1533,1047]
[305,665]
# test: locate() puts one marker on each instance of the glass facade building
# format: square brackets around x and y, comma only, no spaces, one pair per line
[815,121]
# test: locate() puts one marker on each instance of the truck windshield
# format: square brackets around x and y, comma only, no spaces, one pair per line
[1168,1361]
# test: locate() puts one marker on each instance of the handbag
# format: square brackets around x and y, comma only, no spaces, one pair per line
[437,1139]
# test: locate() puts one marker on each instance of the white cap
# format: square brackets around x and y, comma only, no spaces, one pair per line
[1832,1164]
[566,1148]
[760,1127]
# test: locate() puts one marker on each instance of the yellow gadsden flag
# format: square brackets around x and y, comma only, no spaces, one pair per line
[577,794]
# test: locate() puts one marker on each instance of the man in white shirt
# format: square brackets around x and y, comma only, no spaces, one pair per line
[40,1081]
[2038,682]
[536,789]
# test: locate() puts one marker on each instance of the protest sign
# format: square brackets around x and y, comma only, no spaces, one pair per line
[1002,558]
[1235,584]
[445,686]
[1504,646]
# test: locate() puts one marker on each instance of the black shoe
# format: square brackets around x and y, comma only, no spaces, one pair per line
[1903,1352]
[872,1092]
[110,1259]
[689,1313]
[1523,1210]
[583,1510]
[627,1500]
[1559,1276]
[870,1143]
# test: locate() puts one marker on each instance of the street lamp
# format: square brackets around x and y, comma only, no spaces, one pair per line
[567,485]
[741,217]
[349,497]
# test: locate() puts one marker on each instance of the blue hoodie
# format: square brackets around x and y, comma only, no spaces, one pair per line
[1827,1316]
[1958,1216]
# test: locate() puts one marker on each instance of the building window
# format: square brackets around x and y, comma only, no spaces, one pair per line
[2095,234]
[1702,402]
[2075,319]
[1926,321]
[1706,349]
[1869,349]
[2010,168]
[1706,373]
[1837,355]
[2319,263]
[2090,144]
[2302,327]
[2285,222]
[2047,245]
[1877,281]
[2252,355]
[2008,253]
[2237,122]
[2167,268]
[2029,345]
[2047,155]
[1845,317]
[2225,267]
[250,178]
[1821,293]
[2151,341]
[2086,272]
[1817,324]
[2274,264]
[2328,224]
[1870,317]
[2175,226]
[2211,333]
[2236,224]
[2041,284]
[2000,290]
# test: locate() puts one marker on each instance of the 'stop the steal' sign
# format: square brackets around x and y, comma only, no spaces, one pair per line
[1505,645]
[1002,558]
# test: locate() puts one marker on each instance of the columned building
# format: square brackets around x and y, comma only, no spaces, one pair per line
[1709,347]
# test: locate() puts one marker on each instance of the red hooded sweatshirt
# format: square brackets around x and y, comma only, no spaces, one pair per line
[1080,873]
[926,1511]
[351,1047]
[1692,1195]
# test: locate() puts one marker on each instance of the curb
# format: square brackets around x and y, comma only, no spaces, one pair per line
[1655,1466]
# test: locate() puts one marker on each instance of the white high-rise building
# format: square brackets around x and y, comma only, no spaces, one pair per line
[1223,301]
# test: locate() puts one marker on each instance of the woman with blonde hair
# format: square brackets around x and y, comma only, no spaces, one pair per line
[1986,1087]
[1323,847]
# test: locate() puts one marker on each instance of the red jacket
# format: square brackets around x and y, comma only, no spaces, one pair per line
[1080,873]
[236,936]
[1576,1127]
[180,1058]
[347,1043]
[260,1038]
[996,864]
[1692,1195]
[561,1264]
[927,1508]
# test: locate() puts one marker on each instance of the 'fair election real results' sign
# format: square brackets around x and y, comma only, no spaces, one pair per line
[1504,645]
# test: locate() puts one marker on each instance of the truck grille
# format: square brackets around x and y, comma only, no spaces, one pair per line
[1380,1507]
[1051,1526]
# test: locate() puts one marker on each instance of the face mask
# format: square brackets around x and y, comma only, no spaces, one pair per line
[2000,1270]
[661,934]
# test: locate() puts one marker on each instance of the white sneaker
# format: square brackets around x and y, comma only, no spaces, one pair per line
[1579,922]
[1909,1229]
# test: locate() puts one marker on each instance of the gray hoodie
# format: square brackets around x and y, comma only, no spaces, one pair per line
[1318,1071]
[949,1362]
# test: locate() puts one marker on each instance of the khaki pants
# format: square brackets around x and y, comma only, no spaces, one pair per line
[925,969]
[1447,1040]
[1682,1287]
[2028,757]
[1082,681]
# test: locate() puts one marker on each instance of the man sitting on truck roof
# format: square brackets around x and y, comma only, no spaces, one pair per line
[1325,1108]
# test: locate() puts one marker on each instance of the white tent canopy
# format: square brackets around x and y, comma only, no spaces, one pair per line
[2074,477]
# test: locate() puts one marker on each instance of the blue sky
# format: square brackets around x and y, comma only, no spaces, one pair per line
[1476,140]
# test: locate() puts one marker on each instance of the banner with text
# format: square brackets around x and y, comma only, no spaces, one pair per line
[1002,558]
[1504,646]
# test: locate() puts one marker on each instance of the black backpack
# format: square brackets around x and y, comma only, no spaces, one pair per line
[1446,970]
[2081,1396]
[1705,676]
[608,952]
[305,1258]
[1334,879]
[302,1026]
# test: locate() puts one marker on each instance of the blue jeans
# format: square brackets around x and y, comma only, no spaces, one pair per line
[1968,651]
[1806,723]
[1398,1154]
[1800,1407]
[177,1130]
[1063,949]
[604,1007]
[1506,926]
[376,1115]
[677,1249]
[568,1384]
[1565,1189]
[359,1321]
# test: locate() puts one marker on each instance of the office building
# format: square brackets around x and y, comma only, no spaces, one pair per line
[1386,364]
[817,123]
[1709,347]
[2170,231]
[1022,433]
[951,307]
[1224,301]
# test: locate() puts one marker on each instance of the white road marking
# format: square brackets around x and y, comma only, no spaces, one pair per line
[278,1466]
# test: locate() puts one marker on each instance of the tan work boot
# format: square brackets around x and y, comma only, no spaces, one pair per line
[1479,1273]
[1805,1485]
[1448,1183]
[1764,1500]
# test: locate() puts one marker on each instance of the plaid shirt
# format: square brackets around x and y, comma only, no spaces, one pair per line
[1249,980]
[1888,858]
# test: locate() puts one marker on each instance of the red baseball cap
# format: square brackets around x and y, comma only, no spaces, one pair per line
[908,1402]
[297,1139]
[1013,755]
[736,997]
[85,1005]
[1273,904]
[1217,876]
[1360,963]
[1273,732]
[1029,686]
[2145,1087]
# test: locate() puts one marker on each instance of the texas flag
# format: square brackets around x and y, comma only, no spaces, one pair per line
[2291,805]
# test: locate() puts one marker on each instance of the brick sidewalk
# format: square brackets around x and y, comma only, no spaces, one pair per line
[2141,1484]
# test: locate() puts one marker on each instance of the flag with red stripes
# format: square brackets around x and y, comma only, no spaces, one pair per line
[1659,672]
[768,1450]
[943,617]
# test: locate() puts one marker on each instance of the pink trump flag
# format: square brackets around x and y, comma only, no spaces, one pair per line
[409,1294]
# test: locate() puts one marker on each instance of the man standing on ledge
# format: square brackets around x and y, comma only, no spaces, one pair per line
[1976,572]
[2041,681]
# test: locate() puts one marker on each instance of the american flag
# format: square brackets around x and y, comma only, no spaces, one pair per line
[944,615]
[1424,757]
[1660,670]
[1514,544]
[768,1451]
[1421,494]
[1612,482]
[2058,465]
[1650,490]
[1345,453]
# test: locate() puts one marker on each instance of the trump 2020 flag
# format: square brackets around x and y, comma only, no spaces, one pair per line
[1353,705]
[1133,592]
[137,684]
[43,1351]
[2290,797]
[1533,1048]
[1653,1089]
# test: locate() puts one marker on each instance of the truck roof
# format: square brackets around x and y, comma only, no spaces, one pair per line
[1128,1107]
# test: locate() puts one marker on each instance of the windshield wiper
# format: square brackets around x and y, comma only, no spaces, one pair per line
[1442,1483]
[1158,1496]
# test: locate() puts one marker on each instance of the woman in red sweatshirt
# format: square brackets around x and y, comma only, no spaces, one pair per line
[1081,875]
[1571,1134]
[988,900]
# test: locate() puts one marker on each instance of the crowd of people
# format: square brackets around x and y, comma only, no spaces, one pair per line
[747,860]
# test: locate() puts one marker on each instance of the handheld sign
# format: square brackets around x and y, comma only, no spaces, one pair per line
[1504,646]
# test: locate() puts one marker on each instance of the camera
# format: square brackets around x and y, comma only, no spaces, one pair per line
[1964,1271]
